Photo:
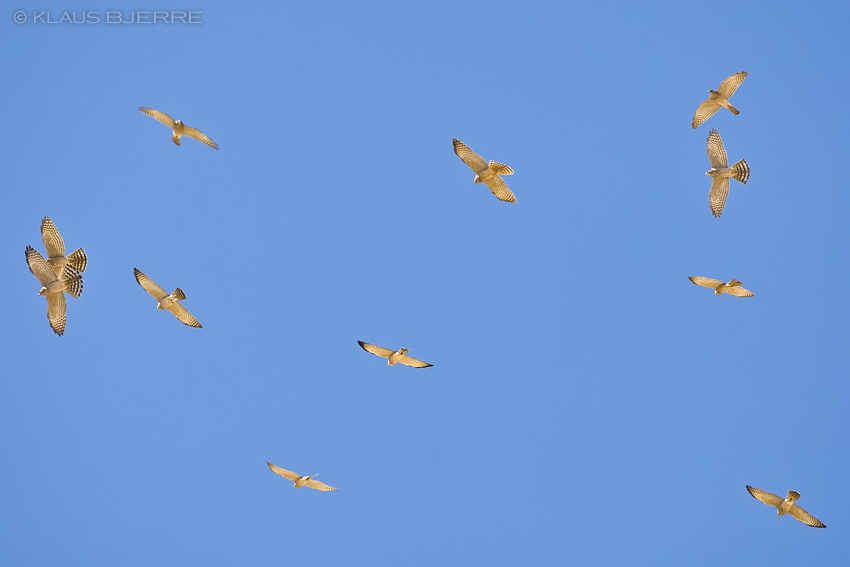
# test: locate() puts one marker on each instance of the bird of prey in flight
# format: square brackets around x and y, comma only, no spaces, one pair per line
[732,288]
[178,129]
[719,98]
[54,288]
[56,250]
[301,480]
[393,356]
[486,173]
[166,301]
[786,506]
[720,173]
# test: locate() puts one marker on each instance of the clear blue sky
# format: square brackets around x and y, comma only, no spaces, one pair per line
[588,404]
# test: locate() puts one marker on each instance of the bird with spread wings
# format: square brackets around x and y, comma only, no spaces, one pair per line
[486,173]
[394,356]
[786,506]
[54,288]
[301,480]
[719,98]
[719,287]
[166,300]
[720,173]
[178,129]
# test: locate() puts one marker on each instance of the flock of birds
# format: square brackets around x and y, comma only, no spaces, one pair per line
[60,274]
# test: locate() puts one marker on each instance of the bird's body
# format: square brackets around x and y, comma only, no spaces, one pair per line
[719,287]
[56,250]
[720,173]
[786,506]
[299,480]
[723,101]
[178,129]
[164,300]
[394,356]
[718,99]
[486,173]
[54,288]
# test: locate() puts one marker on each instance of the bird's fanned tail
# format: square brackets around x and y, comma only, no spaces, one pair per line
[78,260]
[741,171]
[500,168]
[74,282]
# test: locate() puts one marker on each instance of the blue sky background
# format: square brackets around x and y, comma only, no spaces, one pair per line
[588,404]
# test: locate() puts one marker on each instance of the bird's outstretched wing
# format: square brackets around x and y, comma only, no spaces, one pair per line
[200,136]
[149,285]
[470,158]
[312,483]
[717,195]
[161,116]
[183,315]
[739,291]
[376,350]
[52,240]
[283,472]
[766,497]
[705,282]
[57,312]
[414,362]
[705,110]
[730,84]
[500,189]
[799,514]
[716,152]
[40,267]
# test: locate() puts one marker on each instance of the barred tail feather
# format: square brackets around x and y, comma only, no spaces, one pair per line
[742,171]
[78,260]
[73,282]
[500,168]
[178,294]
[734,110]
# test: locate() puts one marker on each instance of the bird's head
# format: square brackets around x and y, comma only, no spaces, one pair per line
[178,122]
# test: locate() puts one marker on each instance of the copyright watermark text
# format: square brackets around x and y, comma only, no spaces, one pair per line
[142,17]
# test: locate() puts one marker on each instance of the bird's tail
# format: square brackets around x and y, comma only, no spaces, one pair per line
[734,110]
[735,283]
[176,139]
[178,294]
[73,281]
[741,171]
[78,260]
[793,495]
[500,168]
